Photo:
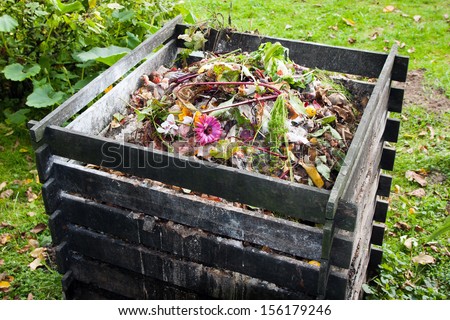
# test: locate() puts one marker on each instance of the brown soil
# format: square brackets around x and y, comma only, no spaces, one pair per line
[418,94]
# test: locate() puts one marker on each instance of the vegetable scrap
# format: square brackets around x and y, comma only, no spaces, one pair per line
[256,111]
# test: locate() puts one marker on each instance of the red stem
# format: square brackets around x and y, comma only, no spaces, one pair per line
[234,83]
[274,96]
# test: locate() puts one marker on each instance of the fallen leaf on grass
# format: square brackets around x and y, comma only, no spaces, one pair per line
[2,262]
[4,284]
[423,258]
[6,194]
[38,253]
[411,50]
[33,242]
[4,238]
[431,132]
[349,22]
[418,193]
[417,18]
[39,228]
[31,196]
[35,264]
[374,36]
[388,9]
[3,185]
[402,225]
[412,175]
[31,214]
[30,296]
[418,228]
[351,40]
[410,242]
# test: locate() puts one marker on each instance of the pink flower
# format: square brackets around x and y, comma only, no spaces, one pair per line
[207,129]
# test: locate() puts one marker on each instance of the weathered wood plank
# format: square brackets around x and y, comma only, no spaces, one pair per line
[387,158]
[191,243]
[44,161]
[299,201]
[129,284]
[51,195]
[391,130]
[198,278]
[100,114]
[312,55]
[218,218]
[79,100]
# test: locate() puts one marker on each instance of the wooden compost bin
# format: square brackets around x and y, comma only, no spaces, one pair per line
[119,236]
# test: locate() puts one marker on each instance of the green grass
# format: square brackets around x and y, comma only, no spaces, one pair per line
[424,146]
[17,169]
[399,278]
[427,40]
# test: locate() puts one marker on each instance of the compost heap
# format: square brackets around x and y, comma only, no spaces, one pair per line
[256,111]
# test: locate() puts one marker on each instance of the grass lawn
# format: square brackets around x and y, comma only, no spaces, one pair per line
[420,28]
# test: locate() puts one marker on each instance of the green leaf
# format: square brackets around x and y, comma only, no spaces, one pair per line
[17,72]
[17,117]
[224,149]
[43,97]
[124,15]
[327,120]
[108,55]
[323,169]
[334,133]
[132,40]
[7,23]
[69,7]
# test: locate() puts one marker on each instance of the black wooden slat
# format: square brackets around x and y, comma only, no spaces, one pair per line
[381,210]
[312,55]
[121,281]
[217,218]
[57,226]
[286,198]
[391,130]
[376,256]
[190,243]
[384,185]
[44,161]
[51,195]
[377,233]
[198,278]
[395,103]
[79,100]
[387,158]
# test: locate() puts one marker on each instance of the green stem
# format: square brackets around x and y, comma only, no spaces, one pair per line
[6,46]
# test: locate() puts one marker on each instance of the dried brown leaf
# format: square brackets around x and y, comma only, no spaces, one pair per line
[418,228]
[418,193]
[24,249]
[4,238]
[431,132]
[38,253]
[36,263]
[411,50]
[2,262]
[402,225]
[31,214]
[374,36]
[33,242]
[388,9]
[3,185]
[417,18]
[6,194]
[39,228]
[351,40]
[31,196]
[414,176]
[423,258]
[30,296]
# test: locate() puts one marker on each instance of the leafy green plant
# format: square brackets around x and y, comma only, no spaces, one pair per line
[50,48]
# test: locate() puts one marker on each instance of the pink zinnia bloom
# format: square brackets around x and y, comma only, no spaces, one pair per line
[207,129]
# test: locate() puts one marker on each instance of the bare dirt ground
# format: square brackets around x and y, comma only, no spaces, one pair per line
[418,94]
